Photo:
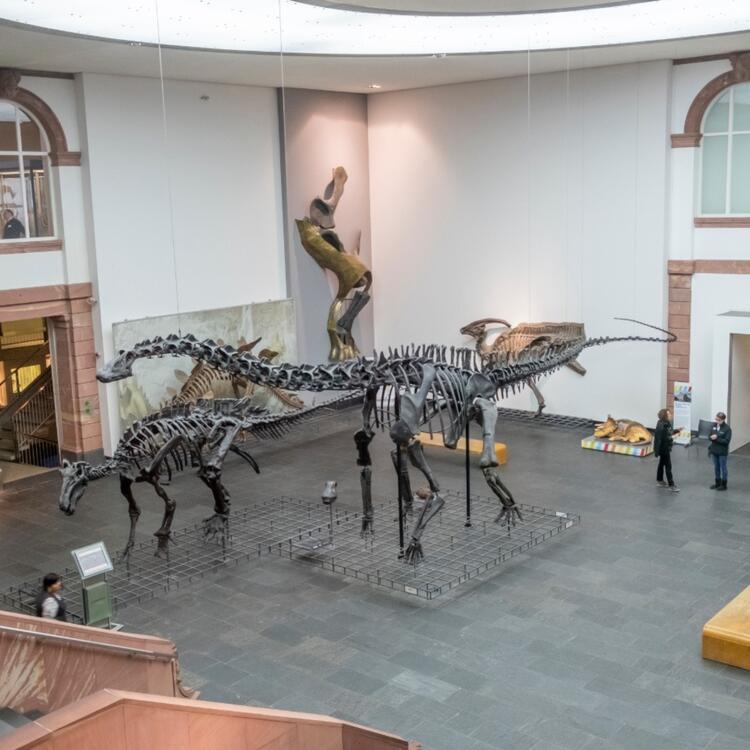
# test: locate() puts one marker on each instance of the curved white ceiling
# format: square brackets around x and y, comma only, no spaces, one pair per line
[465,7]
[301,28]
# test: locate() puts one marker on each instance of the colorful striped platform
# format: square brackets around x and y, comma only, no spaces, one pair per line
[626,449]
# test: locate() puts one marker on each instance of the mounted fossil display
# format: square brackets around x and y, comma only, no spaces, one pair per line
[624,430]
[326,249]
[404,390]
[524,338]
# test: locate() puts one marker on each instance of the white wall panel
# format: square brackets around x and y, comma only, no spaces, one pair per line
[192,224]
[486,205]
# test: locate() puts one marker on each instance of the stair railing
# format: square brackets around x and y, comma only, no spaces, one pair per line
[32,447]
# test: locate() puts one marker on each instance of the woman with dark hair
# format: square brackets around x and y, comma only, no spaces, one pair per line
[49,602]
[663,440]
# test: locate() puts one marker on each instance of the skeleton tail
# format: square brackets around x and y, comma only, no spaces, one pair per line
[267,425]
[670,337]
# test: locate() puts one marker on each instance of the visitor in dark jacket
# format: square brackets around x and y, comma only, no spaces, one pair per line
[663,440]
[718,449]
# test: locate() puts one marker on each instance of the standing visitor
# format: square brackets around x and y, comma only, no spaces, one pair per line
[718,449]
[49,602]
[663,441]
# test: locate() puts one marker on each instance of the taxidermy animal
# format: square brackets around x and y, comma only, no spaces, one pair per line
[524,337]
[624,430]
[326,249]
[423,383]
[169,442]
[206,382]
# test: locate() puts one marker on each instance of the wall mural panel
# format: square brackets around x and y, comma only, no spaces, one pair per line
[155,385]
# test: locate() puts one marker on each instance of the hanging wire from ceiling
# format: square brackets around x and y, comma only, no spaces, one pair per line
[167,161]
[529,307]
[564,183]
[636,178]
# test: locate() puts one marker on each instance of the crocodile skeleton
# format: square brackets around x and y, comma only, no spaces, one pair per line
[405,389]
[174,440]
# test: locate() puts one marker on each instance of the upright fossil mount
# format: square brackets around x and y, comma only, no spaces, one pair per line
[326,249]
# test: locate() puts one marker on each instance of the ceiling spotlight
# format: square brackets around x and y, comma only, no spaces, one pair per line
[374,86]
[440,55]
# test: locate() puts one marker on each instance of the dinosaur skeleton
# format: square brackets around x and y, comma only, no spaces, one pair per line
[529,337]
[172,441]
[206,382]
[403,390]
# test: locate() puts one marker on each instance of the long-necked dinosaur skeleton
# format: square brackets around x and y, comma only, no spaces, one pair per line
[404,390]
[171,441]
[526,337]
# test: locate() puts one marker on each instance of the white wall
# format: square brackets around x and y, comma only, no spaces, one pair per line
[739,414]
[66,190]
[192,224]
[485,206]
[713,295]
[323,130]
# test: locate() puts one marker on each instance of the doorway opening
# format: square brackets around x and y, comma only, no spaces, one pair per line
[739,393]
[28,422]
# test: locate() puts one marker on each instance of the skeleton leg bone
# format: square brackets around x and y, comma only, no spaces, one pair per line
[210,474]
[403,432]
[151,475]
[538,395]
[404,484]
[362,439]
[509,510]
[126,488]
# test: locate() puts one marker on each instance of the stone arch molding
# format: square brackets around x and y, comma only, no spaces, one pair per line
[60,155]
[740,73]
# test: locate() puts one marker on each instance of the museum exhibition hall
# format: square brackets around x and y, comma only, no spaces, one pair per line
[375,374]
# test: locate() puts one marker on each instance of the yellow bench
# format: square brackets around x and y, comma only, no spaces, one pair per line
[726,636]
[475,445]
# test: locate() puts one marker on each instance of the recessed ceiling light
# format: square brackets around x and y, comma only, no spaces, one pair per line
[374,86]
[258,26]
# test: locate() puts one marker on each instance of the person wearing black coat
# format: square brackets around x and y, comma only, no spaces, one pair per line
[12,228]
[663,441]
[718,449]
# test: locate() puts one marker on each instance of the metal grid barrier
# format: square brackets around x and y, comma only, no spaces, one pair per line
[453,553]
[328,538]
[544,419]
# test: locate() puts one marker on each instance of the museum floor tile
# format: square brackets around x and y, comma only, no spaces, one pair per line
[591,640]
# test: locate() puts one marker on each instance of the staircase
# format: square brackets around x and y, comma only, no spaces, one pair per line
[27,425]
[7,445]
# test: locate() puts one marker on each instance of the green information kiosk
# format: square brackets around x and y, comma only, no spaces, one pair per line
[93,563]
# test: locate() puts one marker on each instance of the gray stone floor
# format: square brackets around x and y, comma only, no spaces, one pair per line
[590,641]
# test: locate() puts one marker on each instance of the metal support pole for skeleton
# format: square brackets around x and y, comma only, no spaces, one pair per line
[468,480]
[399,459]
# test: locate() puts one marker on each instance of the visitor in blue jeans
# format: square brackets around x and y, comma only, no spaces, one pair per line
[718,449]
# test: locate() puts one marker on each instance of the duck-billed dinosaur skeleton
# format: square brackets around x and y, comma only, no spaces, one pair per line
[422,384]
[169,442]
[526,337]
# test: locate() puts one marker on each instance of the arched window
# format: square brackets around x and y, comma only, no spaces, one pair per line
[725,154]
[25,211]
